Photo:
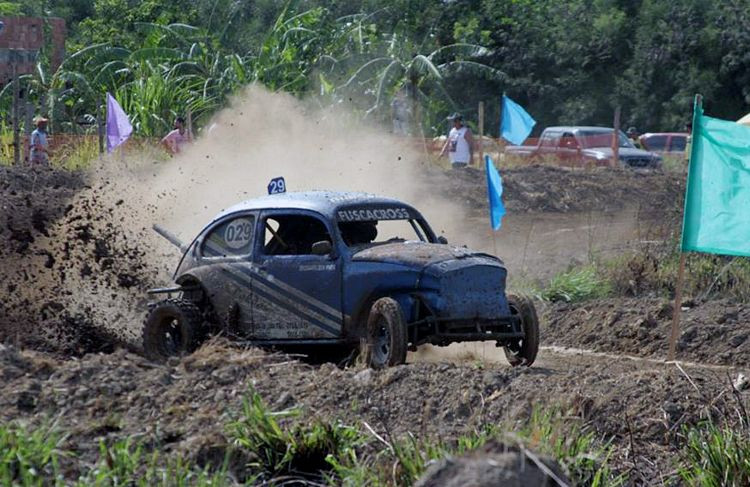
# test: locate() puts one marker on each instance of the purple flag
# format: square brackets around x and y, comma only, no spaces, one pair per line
[118,125]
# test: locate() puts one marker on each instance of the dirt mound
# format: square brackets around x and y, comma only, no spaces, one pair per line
[494,464]
[713,332]
[545,188]
[184,406]
[68,261]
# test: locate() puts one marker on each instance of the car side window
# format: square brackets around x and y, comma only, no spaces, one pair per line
[679,143]
[657,142]
[293,234]
[233,238]
[549,139]
[568,141]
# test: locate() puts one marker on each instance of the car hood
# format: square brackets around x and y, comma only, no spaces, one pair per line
[625,152]
[419,254]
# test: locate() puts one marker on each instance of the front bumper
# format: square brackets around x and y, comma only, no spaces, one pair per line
[444,331]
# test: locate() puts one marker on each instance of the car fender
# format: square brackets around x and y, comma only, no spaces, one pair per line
[406,301]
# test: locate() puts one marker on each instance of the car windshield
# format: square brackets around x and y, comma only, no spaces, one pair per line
[367,233]
[603,138]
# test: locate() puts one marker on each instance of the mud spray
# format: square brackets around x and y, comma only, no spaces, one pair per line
[105,253]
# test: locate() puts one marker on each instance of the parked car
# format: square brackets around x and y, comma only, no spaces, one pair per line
[327,268]
[664,142]
[581,146]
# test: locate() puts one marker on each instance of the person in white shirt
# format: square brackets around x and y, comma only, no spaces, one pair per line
[176,140]
[39,144]
[460,143]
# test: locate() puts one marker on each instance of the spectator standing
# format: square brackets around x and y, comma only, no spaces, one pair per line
[39,143]
[632,134]
[460,143]
[176,140]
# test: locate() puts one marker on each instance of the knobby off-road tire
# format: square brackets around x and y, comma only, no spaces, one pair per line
[173,328]
[523,351]
[386,341]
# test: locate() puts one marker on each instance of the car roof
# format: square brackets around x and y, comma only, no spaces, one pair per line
[323,202]
[576,128]
[651,134]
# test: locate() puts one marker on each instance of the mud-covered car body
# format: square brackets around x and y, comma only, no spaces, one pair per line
[320,288]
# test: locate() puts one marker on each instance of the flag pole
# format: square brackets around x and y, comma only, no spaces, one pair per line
[481,131]
[677,309]
[616,138]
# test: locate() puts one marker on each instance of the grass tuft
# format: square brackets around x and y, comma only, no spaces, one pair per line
[551,432]
[577,284]
[29,457]
[304,450]
[716,457]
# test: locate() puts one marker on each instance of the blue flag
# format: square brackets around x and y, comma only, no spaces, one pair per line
[494,193]
[515,123]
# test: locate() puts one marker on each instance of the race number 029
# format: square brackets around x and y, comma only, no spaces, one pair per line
[238,233]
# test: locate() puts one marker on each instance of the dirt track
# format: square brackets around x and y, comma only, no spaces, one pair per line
[640,405]
[66,243]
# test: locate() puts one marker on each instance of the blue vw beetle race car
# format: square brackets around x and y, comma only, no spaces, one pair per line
[342,270]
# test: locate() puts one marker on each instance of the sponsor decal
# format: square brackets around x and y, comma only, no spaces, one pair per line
[317,267]
[373,214]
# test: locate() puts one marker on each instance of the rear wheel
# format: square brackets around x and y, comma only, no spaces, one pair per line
[523,351]
[172,328]
[386,340]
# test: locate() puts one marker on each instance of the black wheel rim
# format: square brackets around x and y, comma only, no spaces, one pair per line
[516,345]
[171,337]
[381,343]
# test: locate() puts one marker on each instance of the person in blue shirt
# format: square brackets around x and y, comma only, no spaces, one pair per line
[39,144]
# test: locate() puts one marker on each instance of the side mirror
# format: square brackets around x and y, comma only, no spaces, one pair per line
[323,247]
[442,240]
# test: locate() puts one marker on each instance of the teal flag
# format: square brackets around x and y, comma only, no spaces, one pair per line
[717,202]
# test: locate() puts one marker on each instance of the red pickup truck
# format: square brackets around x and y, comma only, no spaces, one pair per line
[583,146]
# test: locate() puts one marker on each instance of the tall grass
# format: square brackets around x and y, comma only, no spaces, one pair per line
[578,449]
[716,457]
[577,284]
[301,450]
[29,457]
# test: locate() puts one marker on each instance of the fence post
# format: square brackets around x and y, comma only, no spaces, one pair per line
[28,123]
[100,128]
[481,132]
[616,139]
[15,110]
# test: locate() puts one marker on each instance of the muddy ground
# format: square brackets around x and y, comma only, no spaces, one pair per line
[543,188]
[184,406]
[713,332]
[69,265]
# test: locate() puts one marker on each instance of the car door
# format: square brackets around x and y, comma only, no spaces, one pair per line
[568,151]
[296,293]
[225,269]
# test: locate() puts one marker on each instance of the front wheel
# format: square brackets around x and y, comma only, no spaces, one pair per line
[386,340]
[523,351]
[172,328]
